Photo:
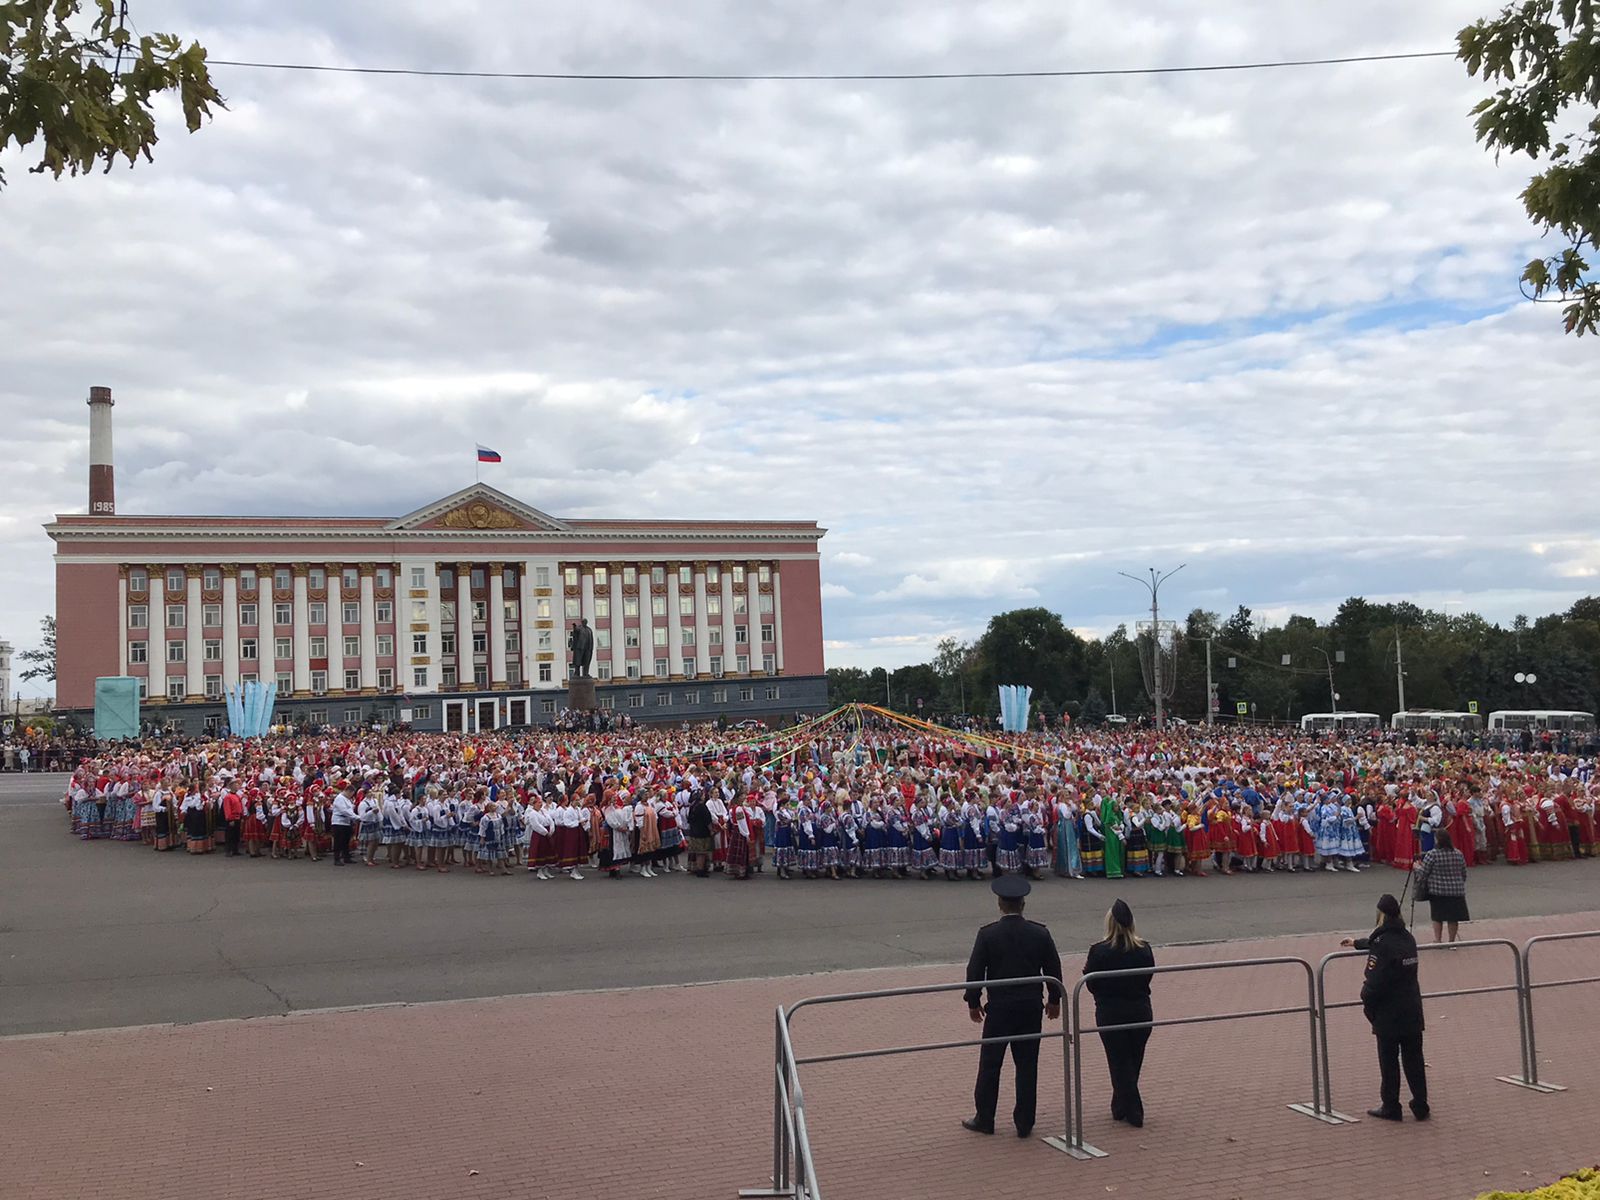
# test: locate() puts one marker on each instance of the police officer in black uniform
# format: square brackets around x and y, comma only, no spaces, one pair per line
[1010,948]
[1391,996]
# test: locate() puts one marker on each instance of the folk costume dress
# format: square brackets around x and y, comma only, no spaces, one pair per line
[1068,859]
[1111,828]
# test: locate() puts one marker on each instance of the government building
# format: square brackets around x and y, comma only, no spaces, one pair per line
[452,617]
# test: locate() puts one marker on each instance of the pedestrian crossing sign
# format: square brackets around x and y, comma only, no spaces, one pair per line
[1472,707]
[1241,707]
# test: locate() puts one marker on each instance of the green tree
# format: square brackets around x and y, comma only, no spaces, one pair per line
[1546,53]
[85,89]
[43,657]
[1032,647]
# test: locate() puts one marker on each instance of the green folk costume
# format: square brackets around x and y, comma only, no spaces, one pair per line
[1110,828]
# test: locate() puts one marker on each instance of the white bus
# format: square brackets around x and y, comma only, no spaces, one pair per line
[1344,722]
[1435,718]
[1542,718]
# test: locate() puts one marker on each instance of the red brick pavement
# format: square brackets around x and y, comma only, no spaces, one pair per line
[665,1092]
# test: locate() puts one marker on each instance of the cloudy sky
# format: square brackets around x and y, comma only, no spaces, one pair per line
[1002,338]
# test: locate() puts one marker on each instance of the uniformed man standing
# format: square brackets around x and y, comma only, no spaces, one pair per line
[1391,997]
[1010,948]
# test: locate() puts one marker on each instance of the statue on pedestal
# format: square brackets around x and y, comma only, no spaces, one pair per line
[580,642]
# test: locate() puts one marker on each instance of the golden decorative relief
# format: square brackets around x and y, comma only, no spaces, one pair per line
[479,515]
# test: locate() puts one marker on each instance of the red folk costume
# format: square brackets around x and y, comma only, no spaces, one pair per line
[1271,848]
[1515,829]
[1405,837]
[1383,834]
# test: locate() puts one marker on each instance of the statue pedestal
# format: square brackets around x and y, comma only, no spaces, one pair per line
[580,694]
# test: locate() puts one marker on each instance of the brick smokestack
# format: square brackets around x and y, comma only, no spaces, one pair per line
[102,477]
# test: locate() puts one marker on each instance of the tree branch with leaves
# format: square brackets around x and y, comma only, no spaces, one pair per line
[81,87]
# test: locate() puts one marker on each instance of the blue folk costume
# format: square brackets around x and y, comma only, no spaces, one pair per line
[877,840]
[1350,845]
[808,852]
[1326,829]
[896,855]
[1067,861]
[951,855]
[1008,854]
[783,853]
[1037,853]
[924,854]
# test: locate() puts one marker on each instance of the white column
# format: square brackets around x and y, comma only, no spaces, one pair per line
[675,624]
[435,634]
[619,638]
[302,632]
[647,638]
[729,649]
[466,661]
[528,626]
[230,626]
[586,595]
[777,615]
[335,626]
[156,634]
[496,625]
[122,623]
[369,629]
[702,648]
[194,634]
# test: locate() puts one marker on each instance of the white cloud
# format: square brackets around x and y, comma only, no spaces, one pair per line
[1003,339]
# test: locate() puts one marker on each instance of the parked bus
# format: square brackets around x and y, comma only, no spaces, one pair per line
[1435,718]
[1557,719]
[1344,722]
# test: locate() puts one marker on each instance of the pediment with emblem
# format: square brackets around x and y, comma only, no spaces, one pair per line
[479,508]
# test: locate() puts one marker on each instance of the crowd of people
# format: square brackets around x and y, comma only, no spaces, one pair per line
[840,798]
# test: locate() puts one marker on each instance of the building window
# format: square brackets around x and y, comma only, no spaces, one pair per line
[213,687]
[174,616]
[764,603]
[692,697]
[713,605]
[741,635]
[569,576]
[352,716]
[480,643]
[661,667]
[144,688]
[210,615]
[713,574]
[138,616]
[419,643]
[213,650]
[247,614]
[419,677]
[772,693]
[511,610]
[545,673]
[658,635]
[716,664]
[658,606]
[541,577]
[688,635]
[607,702]
[480,677]
[350,579]
[422,712]
[282,648]
[174,689]
[513,643]
[447,676]
[319,647]
[249,677]
[600,577]
[663,699]
[480,610]
[509,577]
[385,645]
[419,610]
[769,664]
[630,606]
[352,647]
[633,668]
[746,695]
[283,614]
[138,580]
[317,716]
[738,576]
[247,579]
[138,652]
[714,635]
[319,682]
[247,648]
[317,612]
[685,605]
[630,636]
[447,643]
[544,639]
[352,681]
[479,581]
[741,604]
[386,679]
[211,579]
[548,707]
[658,576]
[741,664]
[285,682]
[282,579]
[688,668]
[350,613]
[175,652]
[384,612]
[318,578]
[174,581]
[719,695]
[602,639]
[602,608]
[574,608]
[686,575]
[602,671]
[635,699]
[419,577]
[630,577]
[385,577]
[764,573]
[447,579]
[766,633]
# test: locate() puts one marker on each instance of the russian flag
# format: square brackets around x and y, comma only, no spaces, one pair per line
[487,455]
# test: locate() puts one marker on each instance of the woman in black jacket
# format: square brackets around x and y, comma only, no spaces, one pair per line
[1124,1000]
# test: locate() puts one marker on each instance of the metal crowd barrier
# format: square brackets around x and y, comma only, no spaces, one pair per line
[793,1170]
[1074,1144]
[1530,1069]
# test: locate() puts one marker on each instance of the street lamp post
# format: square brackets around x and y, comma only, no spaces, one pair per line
[1154,584]
[1332,695]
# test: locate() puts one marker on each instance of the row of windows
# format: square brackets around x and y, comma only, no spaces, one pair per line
[177,688]
[176,579]
[177,615]
[658,575]
[747,695]
[769,665]
[249,648]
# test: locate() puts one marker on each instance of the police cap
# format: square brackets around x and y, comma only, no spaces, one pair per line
[1011,887]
